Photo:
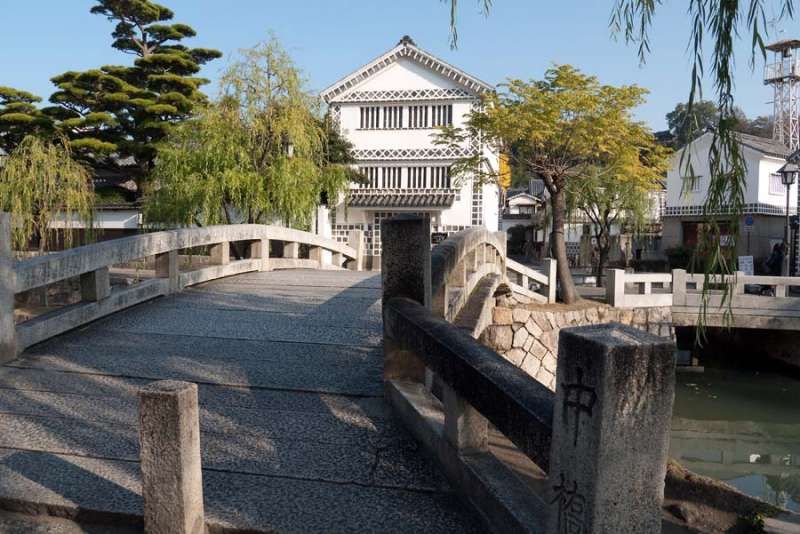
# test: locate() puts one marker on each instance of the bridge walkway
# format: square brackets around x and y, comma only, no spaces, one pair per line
[295,434]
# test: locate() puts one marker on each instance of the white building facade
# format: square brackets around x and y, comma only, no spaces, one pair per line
[761,225]
[390,110]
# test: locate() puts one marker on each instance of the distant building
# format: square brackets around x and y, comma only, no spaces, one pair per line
[522,206]
[390,109]
[762,223]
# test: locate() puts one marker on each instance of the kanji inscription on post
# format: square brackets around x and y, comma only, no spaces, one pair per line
[579,398]
[571,507]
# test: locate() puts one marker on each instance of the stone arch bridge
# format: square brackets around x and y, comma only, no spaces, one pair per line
[327,399]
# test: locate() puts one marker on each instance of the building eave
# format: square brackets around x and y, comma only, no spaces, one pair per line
[408,50]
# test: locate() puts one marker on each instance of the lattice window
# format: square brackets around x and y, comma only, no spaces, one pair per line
[390,177]
[418,117]
[370,117]
[392,117]
[442,115]
[776,186]
[440,177]
[691,184]
[418,177]
[372,175]
[477,205]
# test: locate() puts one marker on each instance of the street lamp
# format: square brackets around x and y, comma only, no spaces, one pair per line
[788,176]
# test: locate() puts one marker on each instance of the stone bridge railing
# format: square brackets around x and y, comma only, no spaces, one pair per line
[92,264]
[590,457]
[753,301]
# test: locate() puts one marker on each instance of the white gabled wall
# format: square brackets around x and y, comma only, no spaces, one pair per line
[757,190]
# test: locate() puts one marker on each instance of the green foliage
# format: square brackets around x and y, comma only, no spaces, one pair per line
[684,122]
[127,110]
[40,182]
[260,154]
[19,117]
[721,23]
[558,129]
[617,189]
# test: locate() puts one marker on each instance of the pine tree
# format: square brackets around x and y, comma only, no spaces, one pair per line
[19,117]
[127,110]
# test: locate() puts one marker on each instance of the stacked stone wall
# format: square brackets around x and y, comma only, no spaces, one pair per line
[527,335]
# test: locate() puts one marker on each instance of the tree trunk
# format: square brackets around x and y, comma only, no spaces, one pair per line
[602,259]
[603,248]
[559,246]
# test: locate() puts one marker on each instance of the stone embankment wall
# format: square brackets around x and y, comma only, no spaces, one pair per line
[527,334]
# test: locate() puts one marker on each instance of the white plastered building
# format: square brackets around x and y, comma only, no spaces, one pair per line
[390,110]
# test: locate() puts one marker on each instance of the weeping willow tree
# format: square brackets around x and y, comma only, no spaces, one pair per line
[259,154]
[41,185]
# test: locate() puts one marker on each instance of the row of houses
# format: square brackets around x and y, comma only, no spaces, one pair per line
[390,110]
[677,206]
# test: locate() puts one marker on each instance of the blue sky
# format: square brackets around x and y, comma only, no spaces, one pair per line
[330,38]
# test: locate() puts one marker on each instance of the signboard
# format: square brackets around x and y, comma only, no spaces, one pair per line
[438,237]
[746,265]
[748,223]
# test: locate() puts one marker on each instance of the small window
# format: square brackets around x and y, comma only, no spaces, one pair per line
[776,186]
[392,117]
[370,117]
[390,177]
[371,176]
[440,177]
[442,115]
[417,177]
[691,184]
[418,117]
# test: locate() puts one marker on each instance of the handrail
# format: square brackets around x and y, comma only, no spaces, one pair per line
[521,408]
[457,265]
[92,264]
[584,438]
[54,267]
[524,274]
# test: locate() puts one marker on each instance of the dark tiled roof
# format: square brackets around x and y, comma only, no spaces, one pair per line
[764,145]
[402,200]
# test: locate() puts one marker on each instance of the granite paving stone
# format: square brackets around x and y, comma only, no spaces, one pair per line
[295,435]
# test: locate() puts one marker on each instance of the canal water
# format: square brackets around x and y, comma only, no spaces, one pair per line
[741,427]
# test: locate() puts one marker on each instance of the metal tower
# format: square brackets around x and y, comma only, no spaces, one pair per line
[783,74]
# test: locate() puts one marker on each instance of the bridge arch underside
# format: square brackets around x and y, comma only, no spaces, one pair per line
[295,434]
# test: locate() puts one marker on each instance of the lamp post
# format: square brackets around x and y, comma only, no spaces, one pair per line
[788,175]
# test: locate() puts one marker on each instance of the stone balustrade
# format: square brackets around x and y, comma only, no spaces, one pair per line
[597,446]
[737,299]
[521,277]
[91,264]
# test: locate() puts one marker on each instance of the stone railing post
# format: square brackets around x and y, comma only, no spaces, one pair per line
[356,241]
[95,285]
[738,283]
[260,250]
[221,253]
[615,287]
[552,281]
[611,421]
[405,272]
[315,254]
[291,250]
[172,479]
[678,287]
[464,427]
[167,267]
[8,331]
